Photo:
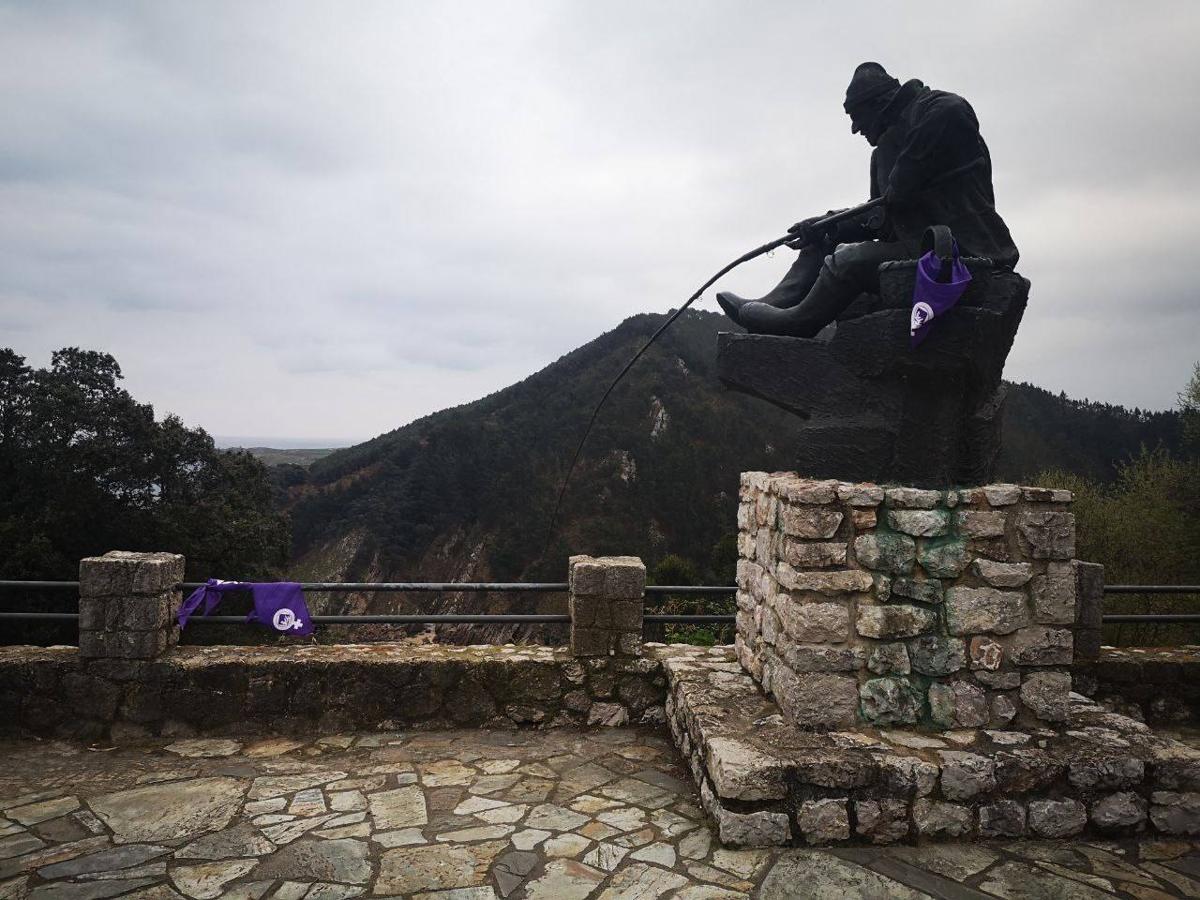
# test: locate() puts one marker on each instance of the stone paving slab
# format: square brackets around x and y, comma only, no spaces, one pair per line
[468,815]
[768,783]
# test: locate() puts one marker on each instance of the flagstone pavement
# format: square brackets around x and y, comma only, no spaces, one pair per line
[467,815]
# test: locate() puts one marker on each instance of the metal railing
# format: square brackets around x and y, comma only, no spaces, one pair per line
[1151,618]
[409,587]
[539,618]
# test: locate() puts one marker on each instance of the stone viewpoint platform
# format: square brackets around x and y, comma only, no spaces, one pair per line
[917,725]
[557,814]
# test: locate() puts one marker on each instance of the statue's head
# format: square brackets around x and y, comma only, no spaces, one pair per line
[871,90]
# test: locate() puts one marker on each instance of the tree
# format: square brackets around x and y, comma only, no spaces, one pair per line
[1189,408]
[85,468]
[1145,527]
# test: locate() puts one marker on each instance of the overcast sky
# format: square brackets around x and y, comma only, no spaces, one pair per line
[321,220]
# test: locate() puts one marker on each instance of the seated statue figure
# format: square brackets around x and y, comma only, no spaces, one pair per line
[931,166]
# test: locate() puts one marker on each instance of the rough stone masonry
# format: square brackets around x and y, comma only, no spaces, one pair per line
[901,606]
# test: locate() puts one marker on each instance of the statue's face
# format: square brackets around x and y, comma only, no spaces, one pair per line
[867,119]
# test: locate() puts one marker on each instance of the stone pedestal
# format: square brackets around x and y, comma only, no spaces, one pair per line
[127,604]
[900,606]
[607,594]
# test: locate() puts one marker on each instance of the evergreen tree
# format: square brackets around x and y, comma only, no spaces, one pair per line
[85,468]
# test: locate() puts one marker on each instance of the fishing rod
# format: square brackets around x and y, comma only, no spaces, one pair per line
[816,229]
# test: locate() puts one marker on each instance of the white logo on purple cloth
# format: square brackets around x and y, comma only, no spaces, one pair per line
[922,312]
[285,620]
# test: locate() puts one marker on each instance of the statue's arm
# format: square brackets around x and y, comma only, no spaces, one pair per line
[866,227]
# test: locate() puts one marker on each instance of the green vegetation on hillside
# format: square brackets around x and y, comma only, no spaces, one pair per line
[659,473]
[470,489]
[1093,440]
[1144,527]
[466,493]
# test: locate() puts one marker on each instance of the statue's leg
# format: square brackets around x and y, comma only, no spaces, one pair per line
[850,270]
[858,264]
[789,292]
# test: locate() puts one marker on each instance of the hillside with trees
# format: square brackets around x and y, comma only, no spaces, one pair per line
[1144,526]
[467,493]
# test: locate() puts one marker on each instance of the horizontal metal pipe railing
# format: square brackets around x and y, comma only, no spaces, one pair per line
[419,586]
[415,619]
[533,618]
[1152,589]
[543,587]
[691,589]
[38,585]
[419,619]
[428,587]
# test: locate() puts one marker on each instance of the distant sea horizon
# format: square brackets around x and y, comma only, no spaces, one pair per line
[224,441]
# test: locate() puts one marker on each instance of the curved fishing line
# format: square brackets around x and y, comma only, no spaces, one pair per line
[759,251]
[823,224]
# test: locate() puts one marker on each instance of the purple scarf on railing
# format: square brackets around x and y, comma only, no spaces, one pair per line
[278,605]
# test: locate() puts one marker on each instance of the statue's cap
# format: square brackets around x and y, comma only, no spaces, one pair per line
[870,80]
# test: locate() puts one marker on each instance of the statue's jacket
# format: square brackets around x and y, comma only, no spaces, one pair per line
[934,166]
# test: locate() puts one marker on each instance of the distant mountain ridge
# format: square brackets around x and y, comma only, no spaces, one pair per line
[466,493]
[297,456]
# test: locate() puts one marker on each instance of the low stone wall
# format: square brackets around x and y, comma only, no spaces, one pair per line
[1159,685]
[901,606]
[56,691]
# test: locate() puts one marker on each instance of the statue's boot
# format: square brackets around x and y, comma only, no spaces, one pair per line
[790,291]
[828,297]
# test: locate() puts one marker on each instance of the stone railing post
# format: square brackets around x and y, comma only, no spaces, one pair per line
[127,604]
[607,594]
[1089,609]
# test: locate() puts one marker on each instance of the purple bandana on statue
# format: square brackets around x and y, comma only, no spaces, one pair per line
[933,298]
[279,605]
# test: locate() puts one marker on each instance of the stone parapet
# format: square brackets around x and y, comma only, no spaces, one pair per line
[127,604]
[607,596]
[766,782]
[55,691]
[1160,685]
[902,606]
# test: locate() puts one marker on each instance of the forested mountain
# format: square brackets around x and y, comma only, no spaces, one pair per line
[466,493]
[1046,431]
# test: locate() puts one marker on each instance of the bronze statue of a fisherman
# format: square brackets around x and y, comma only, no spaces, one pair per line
[931,165]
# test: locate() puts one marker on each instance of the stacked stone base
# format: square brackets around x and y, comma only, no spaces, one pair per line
[766,782]
[899,606]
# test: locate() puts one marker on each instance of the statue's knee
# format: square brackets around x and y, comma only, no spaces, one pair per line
[851,266]
[836,267]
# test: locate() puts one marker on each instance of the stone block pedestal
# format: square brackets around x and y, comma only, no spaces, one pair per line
[607,595]
[127,604]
